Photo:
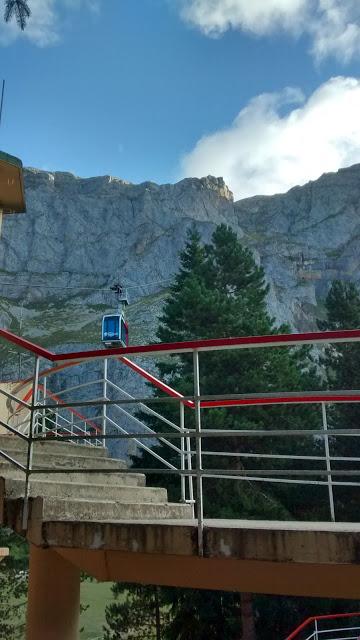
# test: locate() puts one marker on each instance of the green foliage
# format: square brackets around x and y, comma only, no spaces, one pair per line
[221,292]
[342,366]
[13,586]
[171,614]
[342,306]
[280,615]
[202,615]
[139,613]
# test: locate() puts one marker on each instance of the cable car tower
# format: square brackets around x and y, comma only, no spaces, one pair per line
[115,331]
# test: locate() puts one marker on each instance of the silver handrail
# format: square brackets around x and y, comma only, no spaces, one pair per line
[192,444]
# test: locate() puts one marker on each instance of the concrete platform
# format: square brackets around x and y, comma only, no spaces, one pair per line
[118,531]
[316,559]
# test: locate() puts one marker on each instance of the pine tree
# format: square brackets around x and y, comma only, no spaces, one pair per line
[220,291]
[342,365]
[202,615]
[136,613]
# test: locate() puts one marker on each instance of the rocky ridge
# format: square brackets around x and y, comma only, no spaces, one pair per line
[84,234]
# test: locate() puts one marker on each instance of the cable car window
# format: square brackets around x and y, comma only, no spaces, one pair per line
[111,328]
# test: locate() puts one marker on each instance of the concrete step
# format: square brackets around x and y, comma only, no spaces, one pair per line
[63,448]
[55,509]
[7,470]
[14,488]
[45,459]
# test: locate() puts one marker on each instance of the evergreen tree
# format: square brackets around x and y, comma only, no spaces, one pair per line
[13,586]
[202,615]
[137,615]
[342,365]
[220,291]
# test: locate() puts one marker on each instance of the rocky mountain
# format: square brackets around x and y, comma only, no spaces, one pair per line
[79,236]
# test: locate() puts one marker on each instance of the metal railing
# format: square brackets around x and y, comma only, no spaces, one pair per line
[99,411]
[341,626]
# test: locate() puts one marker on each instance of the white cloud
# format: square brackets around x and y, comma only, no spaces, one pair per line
[337,32]
[216,16]
[44,26]
[41,28]
[267,151]
[332,25]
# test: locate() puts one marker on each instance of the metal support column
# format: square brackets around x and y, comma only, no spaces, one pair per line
[199,480]
[56,417]
[104,416]
[316,635]
[182,455]
[44,410]
[189,468]
[29,456]
[328,461]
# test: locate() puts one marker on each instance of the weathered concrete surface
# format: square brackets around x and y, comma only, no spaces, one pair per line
[314,559]
[14,443]
[108,489]
[305,542]
[83,495]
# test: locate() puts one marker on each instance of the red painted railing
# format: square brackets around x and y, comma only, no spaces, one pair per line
[298,339]
[295,635]
[277,340]
[191,457]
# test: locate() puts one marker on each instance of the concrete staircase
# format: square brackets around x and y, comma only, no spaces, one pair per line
[83,496]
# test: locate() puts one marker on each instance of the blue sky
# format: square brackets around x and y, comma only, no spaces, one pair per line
[150,90]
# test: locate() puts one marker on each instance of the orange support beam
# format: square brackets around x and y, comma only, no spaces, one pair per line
[54,597]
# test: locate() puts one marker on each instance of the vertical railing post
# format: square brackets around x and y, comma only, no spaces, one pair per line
[189,468]
[56,418]
[182,454]
[29,456]
[199,479]
[44,410]
[104,417]
[328,461]
[316,635]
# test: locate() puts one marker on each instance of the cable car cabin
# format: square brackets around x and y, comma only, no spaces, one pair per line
[115,332]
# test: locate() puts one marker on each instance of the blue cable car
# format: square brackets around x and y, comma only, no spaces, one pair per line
[115,331]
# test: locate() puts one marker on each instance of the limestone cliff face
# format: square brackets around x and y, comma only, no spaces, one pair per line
[305,239]
[80,234]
